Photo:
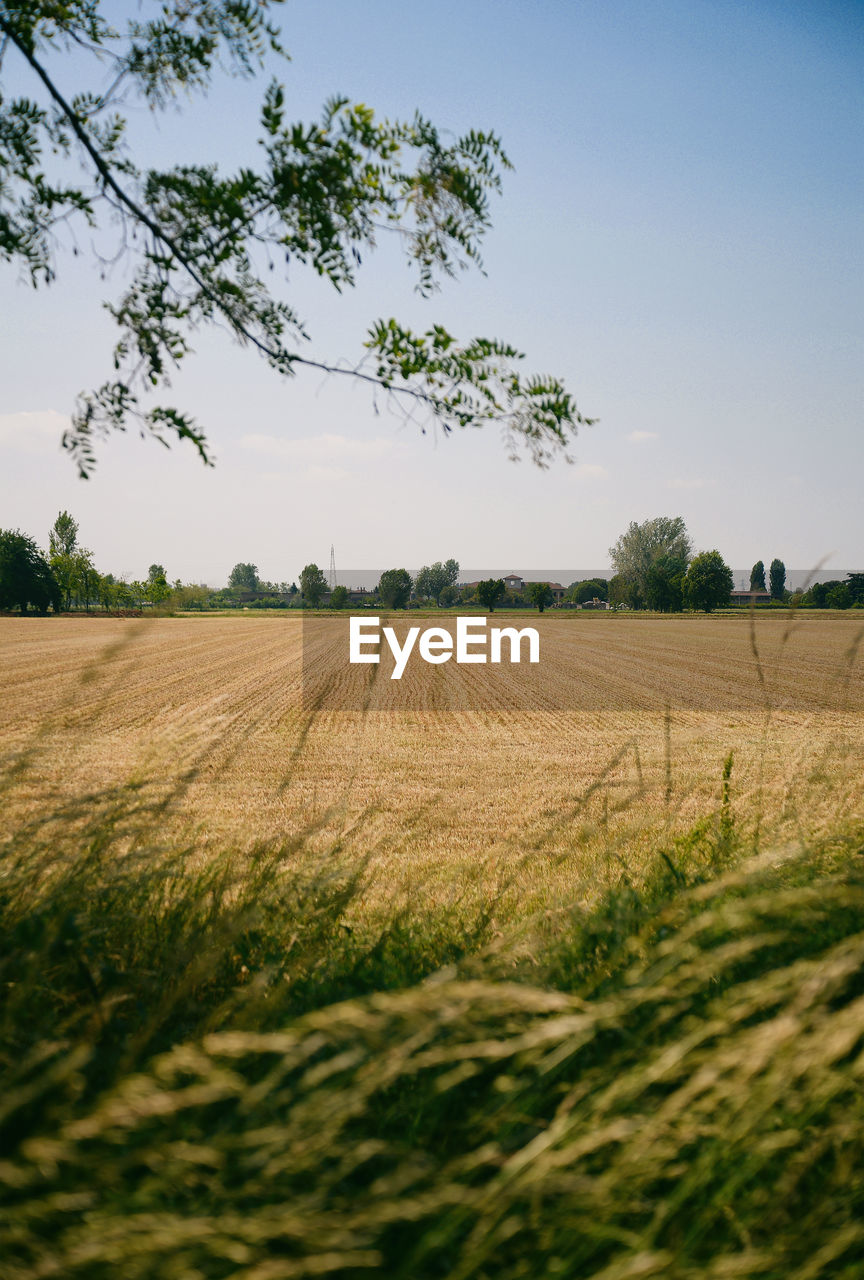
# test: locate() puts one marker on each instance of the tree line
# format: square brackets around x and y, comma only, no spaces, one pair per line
[656,569]
[654,562]
[66,578]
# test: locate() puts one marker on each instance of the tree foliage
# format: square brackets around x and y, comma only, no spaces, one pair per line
[757,577]
[25,575]
[200,244]
[642,545]
[394,588]
[63,536]
[489,592]
[158,589]
[588,589]
[540,594]
[623,592]
[84,579]
[313,584]
[817,596]
[664,584]
[777,579]
[62,548]
[244,577]
[338,597]
[839,596]
[708,582]
[433,579]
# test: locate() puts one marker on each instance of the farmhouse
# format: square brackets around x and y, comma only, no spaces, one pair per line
[513,582]
[555,587]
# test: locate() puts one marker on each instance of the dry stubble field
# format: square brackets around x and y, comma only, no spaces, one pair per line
[447,802]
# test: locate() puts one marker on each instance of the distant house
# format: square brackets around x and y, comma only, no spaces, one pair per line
[751,597]
[555,587]
[513,582]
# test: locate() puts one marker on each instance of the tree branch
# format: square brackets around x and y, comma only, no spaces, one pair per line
[133,207]
[141,215]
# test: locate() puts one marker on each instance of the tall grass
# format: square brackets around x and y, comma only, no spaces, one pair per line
[206,1071]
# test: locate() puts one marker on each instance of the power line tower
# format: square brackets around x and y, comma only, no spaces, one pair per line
[331,576]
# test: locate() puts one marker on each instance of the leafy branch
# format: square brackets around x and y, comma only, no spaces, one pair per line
[320,196]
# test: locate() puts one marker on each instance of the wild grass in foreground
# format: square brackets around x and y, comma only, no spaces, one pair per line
[206,1073]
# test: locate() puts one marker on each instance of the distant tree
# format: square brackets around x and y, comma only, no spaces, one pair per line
[855,583]
[622,591]
[25,574]
[63,536]
[540,594]
[244,577]
[777,578]
[123,597]
[106,590]
[588,589]
[62,544]
[664,585]
[190,595]
[637,550]
[592,589]
[158,589]
[839,597]
[432,579]
[394,588]
[816,597]
[449,595]
[85,578]
[708,582]
[757,577]
[338,597]
[313,584]
[489,592]
[423,584]
[515,599]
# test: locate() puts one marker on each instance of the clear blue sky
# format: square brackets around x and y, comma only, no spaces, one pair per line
[681,240]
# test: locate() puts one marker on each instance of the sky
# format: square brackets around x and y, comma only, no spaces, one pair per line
[680,240]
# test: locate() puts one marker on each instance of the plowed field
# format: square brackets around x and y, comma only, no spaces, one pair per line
[210,711]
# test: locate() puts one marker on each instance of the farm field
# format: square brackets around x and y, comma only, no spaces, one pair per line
[497,992]
[209,712]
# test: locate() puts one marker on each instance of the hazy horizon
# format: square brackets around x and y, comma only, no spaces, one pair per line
[368,578]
